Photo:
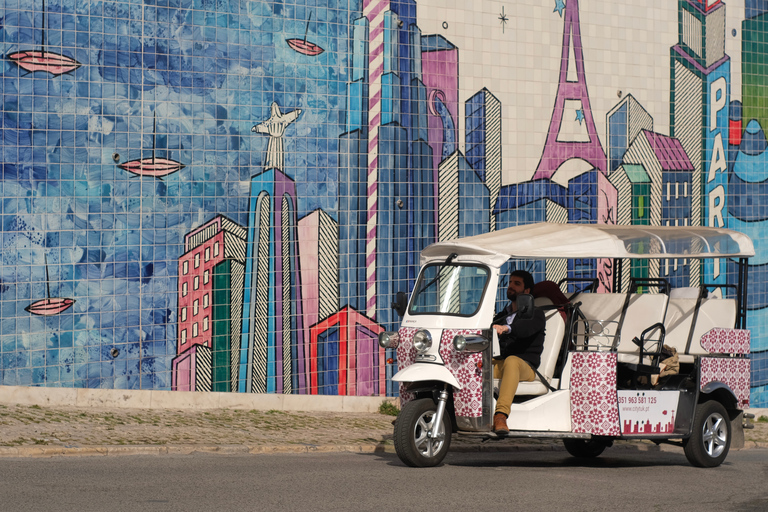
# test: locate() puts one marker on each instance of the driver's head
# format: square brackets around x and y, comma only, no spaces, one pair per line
[520,281]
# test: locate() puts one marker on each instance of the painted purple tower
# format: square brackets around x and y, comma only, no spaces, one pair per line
[271,343]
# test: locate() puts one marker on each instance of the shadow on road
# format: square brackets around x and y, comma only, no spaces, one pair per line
[622,458]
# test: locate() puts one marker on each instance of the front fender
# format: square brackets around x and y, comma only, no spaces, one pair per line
[419,372]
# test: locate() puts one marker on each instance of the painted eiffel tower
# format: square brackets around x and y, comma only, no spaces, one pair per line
[558,151]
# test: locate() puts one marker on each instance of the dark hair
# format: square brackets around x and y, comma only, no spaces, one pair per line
[526,276]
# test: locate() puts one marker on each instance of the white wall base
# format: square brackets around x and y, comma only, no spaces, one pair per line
[150,399]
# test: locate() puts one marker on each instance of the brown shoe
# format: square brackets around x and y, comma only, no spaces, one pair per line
[500,424]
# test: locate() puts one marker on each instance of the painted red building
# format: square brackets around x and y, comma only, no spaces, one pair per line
[345,356]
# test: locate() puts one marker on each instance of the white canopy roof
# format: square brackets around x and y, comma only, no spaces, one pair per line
[546,240]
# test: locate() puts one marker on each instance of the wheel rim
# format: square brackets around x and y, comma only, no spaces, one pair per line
[427,446]
[714,435]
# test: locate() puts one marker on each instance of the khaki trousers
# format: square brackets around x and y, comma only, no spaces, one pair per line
[511,371]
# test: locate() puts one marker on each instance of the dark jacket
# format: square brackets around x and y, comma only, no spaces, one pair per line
[526,339]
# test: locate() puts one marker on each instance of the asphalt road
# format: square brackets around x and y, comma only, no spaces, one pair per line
[527,480]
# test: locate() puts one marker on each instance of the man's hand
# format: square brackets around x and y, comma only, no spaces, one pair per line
[502,329]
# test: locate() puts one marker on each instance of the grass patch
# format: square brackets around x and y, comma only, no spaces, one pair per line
[762,419]
[389,409]
[15,442]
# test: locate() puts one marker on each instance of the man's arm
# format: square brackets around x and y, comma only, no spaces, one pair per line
[522,327]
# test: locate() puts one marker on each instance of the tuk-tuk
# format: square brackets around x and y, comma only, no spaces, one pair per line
[599,377]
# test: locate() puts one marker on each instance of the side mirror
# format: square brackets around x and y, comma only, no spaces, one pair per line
[400,304]
[525,305]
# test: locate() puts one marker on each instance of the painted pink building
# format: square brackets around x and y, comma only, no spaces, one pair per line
[215,248]
[440,73]
[318,236]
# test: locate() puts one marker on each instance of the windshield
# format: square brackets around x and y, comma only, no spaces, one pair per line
[449,289]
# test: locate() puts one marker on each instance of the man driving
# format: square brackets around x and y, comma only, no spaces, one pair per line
[521,341]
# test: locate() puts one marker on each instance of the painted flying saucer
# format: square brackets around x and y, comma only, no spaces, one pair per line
[304,47]
[42,60]
[49,307]
[154,167]
[35,60]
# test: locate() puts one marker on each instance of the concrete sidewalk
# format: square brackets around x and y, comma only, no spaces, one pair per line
[45,422]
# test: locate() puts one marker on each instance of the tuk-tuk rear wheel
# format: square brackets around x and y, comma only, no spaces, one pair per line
[710,437]
[412,443]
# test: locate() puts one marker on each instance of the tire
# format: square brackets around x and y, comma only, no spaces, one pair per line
[584,448]
[710,437]
[412,445]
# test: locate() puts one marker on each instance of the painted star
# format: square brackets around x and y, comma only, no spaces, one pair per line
[580,115]
[504,19]
[559,7]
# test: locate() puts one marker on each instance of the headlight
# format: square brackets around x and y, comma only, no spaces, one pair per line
[422,341]
[470,343]
[389,339]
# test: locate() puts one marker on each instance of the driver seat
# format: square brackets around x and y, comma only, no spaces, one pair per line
[553,340]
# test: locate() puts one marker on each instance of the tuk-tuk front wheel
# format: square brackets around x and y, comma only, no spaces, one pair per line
[711,436]
[418,443]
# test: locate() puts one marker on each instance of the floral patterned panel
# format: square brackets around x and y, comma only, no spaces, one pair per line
[726,341]
[468,401]
[406,355]
[734,372]
[594,407]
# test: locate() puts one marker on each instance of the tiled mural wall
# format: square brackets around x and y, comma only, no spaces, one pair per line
[221,195]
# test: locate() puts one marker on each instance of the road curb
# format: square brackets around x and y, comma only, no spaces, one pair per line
[119,450]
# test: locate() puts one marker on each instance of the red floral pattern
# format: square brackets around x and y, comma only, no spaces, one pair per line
[726,341]
[468,401]
[594,406]
[733,372]
[406,355]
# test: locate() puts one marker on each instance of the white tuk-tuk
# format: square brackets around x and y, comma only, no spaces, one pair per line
[598,380]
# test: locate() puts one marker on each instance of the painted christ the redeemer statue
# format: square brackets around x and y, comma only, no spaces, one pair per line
[275,127]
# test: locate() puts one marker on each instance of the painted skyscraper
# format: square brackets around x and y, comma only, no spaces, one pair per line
[483,142]
[747,208]
[464,200]
[624,123]
[633,186]
[440,72]
[389,74]
[754,66]
[319,262]
[670,175]
[271,346]
[210,307]
[700,95]
[387,171]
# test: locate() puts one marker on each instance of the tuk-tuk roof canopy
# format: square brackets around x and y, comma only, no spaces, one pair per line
[547,240]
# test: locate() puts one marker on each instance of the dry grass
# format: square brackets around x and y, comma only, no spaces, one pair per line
[25,425]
